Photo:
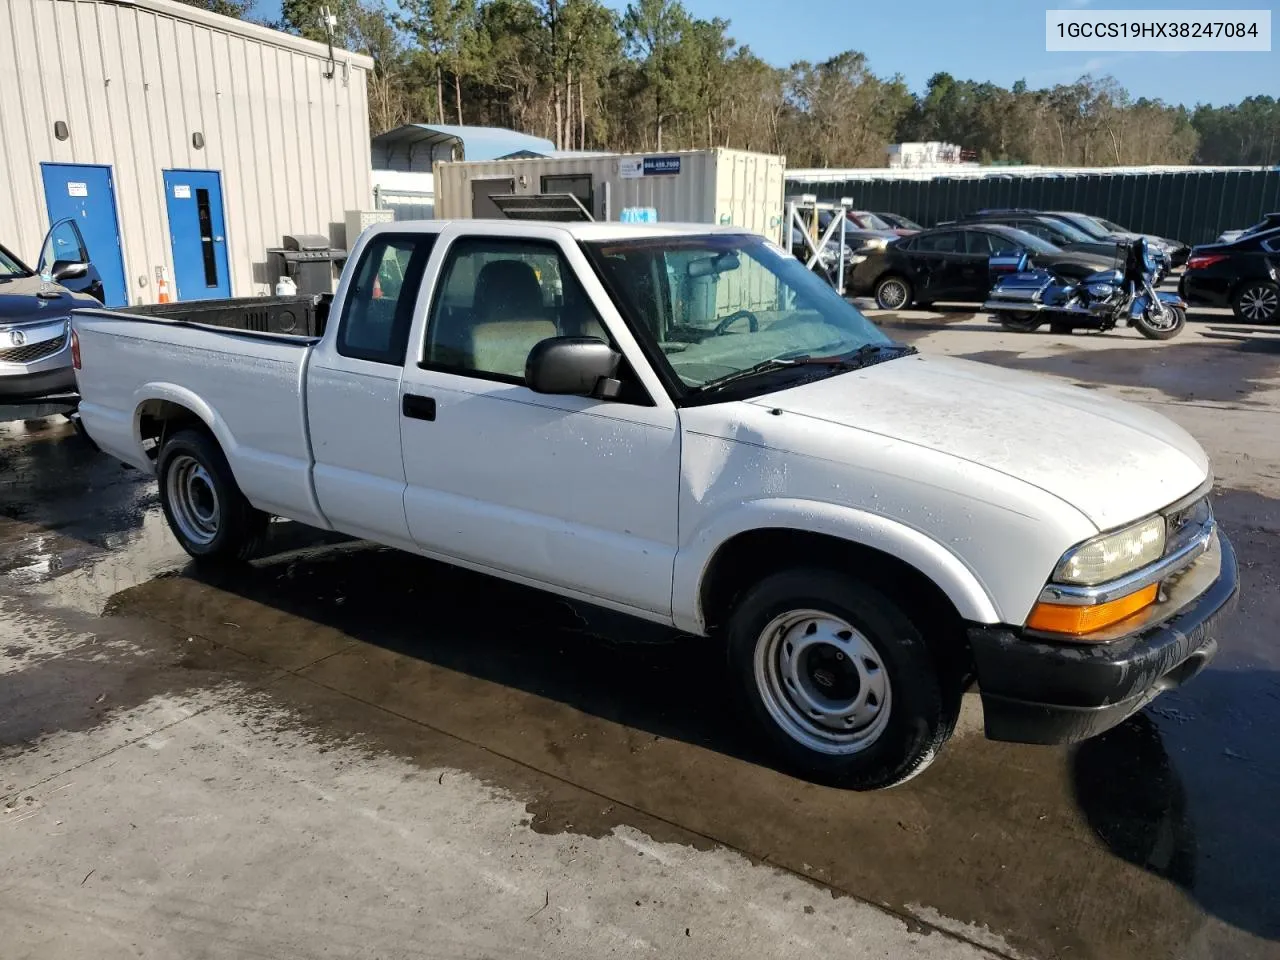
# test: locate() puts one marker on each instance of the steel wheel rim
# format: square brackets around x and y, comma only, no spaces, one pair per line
[893,294]
[193,499]
[823,682]
[1259,303]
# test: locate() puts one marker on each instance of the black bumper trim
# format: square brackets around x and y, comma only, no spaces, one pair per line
[1038,692]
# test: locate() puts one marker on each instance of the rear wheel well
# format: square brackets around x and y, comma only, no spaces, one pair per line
[747,558]
[159,419]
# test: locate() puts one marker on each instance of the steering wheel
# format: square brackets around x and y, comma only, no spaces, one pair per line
[753,322]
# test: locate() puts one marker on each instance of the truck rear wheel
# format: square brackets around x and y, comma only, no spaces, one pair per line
[838,679]
[206,510]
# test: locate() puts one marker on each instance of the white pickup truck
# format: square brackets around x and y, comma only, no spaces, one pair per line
[684,424]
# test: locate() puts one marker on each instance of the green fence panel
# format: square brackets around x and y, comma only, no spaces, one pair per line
[1190,205]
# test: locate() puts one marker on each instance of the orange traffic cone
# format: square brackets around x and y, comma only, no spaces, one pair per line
[162,286]
[377,288]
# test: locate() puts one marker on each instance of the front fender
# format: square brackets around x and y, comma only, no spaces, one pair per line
[947,571]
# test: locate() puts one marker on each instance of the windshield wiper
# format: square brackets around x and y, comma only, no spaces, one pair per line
[864,356]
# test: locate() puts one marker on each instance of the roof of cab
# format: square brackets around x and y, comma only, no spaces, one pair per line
[595,230]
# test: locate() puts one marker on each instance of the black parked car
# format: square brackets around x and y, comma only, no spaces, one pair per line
[35,314]
[951,263]
[1175,251]
[1243,275]
[1052,230]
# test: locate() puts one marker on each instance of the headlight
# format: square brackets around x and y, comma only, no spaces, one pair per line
[874,243]
[1112,555]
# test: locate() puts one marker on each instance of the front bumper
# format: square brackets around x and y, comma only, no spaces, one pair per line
[1034,691]
[38,366]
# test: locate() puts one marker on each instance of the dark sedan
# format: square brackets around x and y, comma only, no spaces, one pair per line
[1174,250]
[952,264]
[899,222]
[1060,233]
[1243,275]
[35,314]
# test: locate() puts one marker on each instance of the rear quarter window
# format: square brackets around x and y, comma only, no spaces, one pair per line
[378,309]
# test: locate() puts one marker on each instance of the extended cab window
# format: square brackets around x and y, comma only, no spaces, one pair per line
[497,299]
[378,309]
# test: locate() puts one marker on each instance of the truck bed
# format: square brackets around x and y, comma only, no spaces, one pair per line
[248,386]
[298,315]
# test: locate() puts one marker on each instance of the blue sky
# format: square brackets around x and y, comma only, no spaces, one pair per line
[997,40]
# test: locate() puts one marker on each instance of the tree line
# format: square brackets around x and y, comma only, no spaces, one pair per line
[656,78]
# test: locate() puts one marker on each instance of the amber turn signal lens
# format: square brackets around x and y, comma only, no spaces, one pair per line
[1078,621]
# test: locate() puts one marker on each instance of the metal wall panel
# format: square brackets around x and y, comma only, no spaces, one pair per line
[134,80]
[1188,204]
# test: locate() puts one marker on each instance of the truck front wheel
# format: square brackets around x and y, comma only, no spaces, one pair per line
[838,679]
[206,510]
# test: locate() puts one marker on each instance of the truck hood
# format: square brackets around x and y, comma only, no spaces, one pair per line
[1113,461]
[19,303]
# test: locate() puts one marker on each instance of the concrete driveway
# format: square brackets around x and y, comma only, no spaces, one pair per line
[346,751]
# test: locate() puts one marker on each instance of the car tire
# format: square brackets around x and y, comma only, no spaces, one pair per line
[1257,302]
[1162,333]
[205,509]
[838,679]
[893,292]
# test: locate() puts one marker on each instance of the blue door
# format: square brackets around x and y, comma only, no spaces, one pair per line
[83,192]
[197,234]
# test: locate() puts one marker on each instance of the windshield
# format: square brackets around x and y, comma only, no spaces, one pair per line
[1088,225]
[717,305]
[1112,225]
[1073,233]
[10,267]
[905,224]
[1029,240]
[870,221]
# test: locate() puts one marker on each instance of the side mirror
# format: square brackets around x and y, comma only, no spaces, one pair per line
[584,366]
[68,270]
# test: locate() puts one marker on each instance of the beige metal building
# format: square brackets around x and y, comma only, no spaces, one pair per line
[723,187]
[176,139]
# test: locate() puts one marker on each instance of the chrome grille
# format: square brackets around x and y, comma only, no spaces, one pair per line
[30,352]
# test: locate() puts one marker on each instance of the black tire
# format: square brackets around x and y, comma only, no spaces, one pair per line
[1162,333]
[1021,322]
[205,509]
[1257,302]
[899,289]
[922,706]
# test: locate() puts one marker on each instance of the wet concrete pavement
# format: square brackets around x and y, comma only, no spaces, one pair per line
[527,750]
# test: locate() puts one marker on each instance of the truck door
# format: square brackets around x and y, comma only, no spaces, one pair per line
[353,389]
[566,491]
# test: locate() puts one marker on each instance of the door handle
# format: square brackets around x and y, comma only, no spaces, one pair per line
[418,408]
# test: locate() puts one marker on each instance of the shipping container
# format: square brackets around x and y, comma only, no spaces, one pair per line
[722,187]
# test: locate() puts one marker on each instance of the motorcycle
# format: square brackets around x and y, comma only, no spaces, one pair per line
[1024,300]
